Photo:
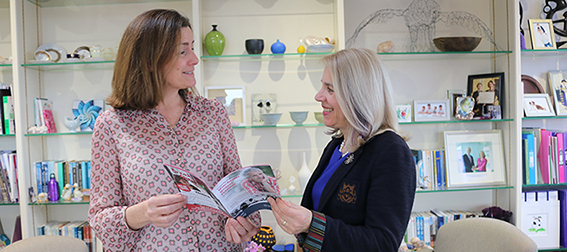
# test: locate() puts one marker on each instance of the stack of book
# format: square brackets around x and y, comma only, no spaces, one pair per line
[8,177]
[77,229]
[430,169]
[543,153]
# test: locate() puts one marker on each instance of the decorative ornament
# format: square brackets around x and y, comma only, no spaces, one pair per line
[300,48]
[265,237]
[386,47]
[277,47]
[87,112]
[550,11]
[214,42]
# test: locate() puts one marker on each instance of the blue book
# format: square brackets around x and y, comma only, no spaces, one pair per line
[531,176]
[39,177]
[44,176]
[84,175]
[89,174]
[438,169]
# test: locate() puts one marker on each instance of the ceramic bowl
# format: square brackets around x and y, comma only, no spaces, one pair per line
[456,44]
[319,116]
[320,48]
[271,118]
[254,46]
[298,116]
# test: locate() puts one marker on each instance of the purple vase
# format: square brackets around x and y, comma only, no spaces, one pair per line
[52,189]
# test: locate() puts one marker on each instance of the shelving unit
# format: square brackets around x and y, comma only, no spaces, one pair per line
[294,77]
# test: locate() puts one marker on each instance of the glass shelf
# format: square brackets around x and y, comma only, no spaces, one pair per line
[5,65]
[62,134]
[442,55]
[7,135]
[465,189]
[544,117]
[279,126]
[61,3]
[543,53]
[555,249]
[458,121]
[265,57]
[544,187]
[72,66]
[9,204]
[60,202]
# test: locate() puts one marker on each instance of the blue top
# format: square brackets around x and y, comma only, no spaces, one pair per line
[320,184]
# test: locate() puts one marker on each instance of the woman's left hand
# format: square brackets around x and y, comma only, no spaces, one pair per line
[239,230]
[292,218]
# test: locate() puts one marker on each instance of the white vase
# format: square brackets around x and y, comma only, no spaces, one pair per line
[304,174]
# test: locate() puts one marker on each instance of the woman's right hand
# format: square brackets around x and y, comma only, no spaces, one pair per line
[161,210]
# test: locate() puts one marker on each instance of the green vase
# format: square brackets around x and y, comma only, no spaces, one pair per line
[214,42]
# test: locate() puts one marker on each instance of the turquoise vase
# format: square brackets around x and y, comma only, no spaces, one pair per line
[214,42]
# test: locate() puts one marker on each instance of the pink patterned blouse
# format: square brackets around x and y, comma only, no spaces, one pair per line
[129,148]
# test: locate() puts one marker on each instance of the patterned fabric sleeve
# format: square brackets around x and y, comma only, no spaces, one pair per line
[107,203]
[313,239]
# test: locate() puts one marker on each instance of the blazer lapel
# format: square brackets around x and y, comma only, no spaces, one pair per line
[338,176]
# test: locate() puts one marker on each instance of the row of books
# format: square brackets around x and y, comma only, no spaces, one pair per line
[543,156]
[66,172]
[7,122]
[430,169]
[77,229]
[424,225]
[8,177]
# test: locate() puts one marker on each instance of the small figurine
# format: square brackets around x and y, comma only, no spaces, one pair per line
[77,194]
[66,193]
[386,47]
[42,197]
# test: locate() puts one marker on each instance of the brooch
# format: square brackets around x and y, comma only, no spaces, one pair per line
[349,159]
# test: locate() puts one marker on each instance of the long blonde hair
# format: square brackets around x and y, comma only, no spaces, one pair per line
[364,93]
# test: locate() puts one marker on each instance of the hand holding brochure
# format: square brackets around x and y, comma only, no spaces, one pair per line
[240,193]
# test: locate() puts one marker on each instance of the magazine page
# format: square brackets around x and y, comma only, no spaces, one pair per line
[246,191]
[199,196]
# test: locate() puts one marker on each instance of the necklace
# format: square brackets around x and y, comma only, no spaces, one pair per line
[341,149]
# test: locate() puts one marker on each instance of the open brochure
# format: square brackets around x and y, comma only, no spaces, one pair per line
[240,193]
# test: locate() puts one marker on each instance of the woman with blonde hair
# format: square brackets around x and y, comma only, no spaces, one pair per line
[360,196]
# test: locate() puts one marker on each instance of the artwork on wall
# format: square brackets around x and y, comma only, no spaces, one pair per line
[233,98]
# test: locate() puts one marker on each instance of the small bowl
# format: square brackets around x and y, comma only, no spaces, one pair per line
[320,48]
[456,44]
[298,116]
[254,46]
[271,118]
[319,116]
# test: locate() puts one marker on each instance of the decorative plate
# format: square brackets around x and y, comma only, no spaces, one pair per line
[50,52]
[531,85]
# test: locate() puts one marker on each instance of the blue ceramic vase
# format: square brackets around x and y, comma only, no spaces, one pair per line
[278,47]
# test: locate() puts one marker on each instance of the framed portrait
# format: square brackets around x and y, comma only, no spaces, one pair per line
[538,105]
[404,112]
[452,95]
[431,110]
[474,158]
[486,89]
[233,98]
[558,89]
[541,34]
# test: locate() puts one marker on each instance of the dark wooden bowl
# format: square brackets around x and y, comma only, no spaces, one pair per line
[456,44]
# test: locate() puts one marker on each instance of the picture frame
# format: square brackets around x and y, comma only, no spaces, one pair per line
[452,95]
[233,98]
[464,166]
[486,89]
[558,89]
[538,105]
[542,34]
[404,112]
[431,110]
[464,110]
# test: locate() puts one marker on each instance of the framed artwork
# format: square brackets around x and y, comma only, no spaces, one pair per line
[404,112]
[538,105]
[474,158]
[88,112]
[558,89]
[541,33]
[431,110]
[233,98]
[486,89]
[452,95]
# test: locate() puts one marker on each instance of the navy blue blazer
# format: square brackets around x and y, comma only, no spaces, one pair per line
[368,200]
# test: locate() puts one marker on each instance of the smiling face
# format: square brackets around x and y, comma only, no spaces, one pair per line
[256,176]
[179,71]
[332,112]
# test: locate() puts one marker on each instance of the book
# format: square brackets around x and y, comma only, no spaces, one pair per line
[563,218]
[7,111]
[239,193]
[3,110]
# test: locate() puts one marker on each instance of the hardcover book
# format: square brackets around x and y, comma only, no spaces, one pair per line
[240,193]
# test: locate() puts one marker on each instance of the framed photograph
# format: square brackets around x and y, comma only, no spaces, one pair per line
[538,105]
[541,33]
[464,110]
[486,89]
[233,98]
[431,110]
[452,95]
[558,89]
[474,158]
[404,112]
